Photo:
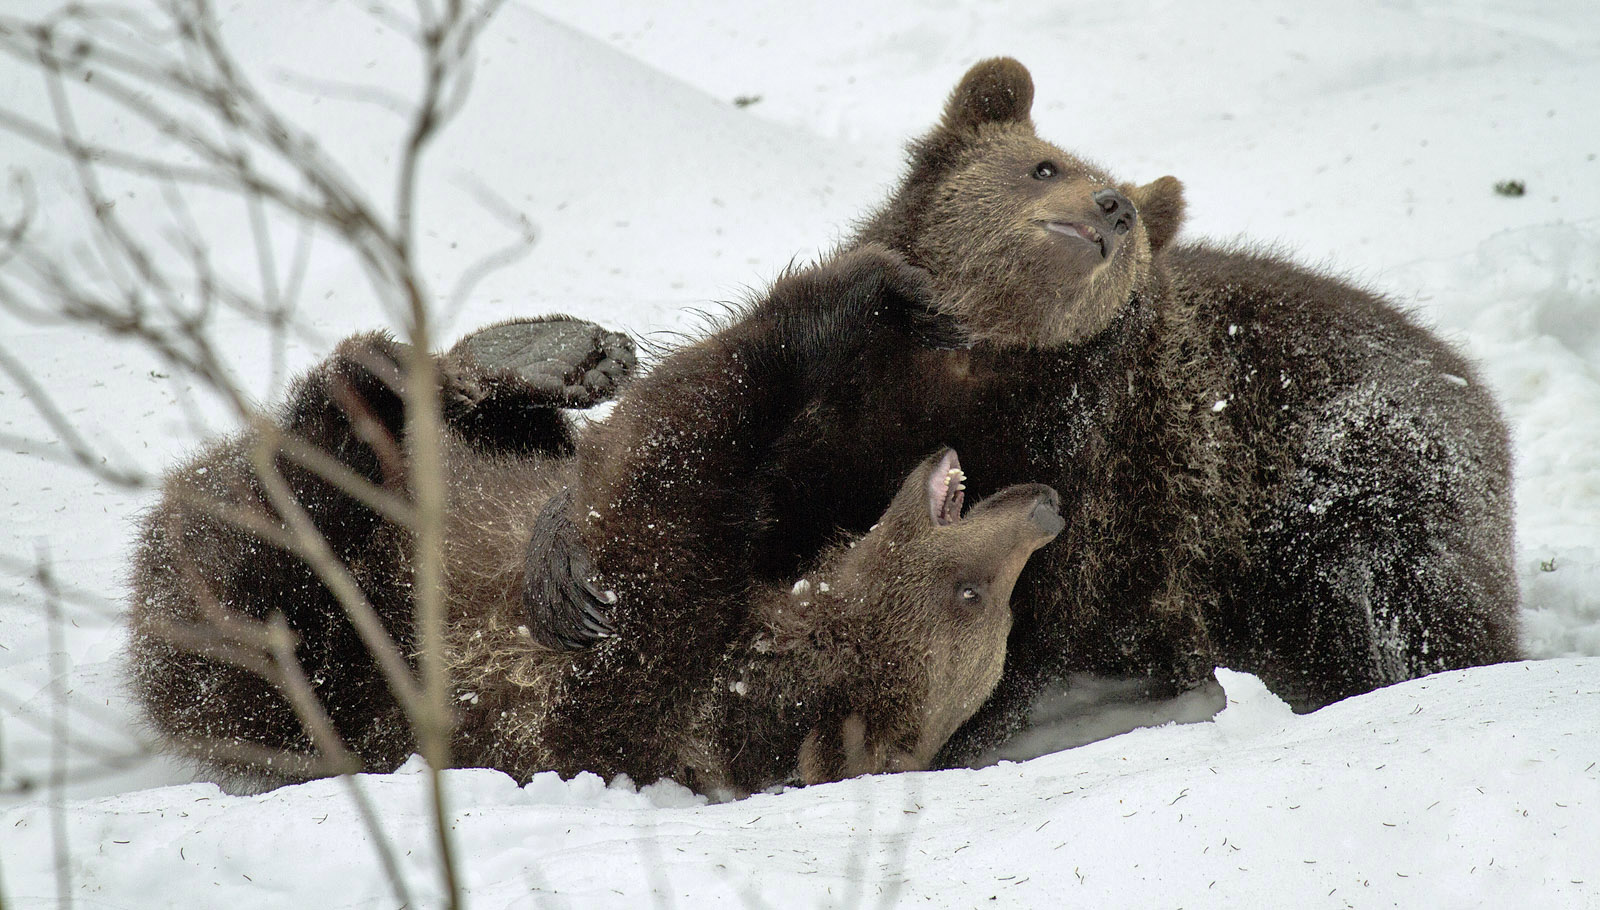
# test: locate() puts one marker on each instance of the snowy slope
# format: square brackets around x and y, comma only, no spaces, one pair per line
[1366,135]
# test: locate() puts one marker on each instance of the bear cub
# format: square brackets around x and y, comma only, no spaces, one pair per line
[885,645]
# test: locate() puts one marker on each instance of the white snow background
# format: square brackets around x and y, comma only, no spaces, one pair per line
[1365,135]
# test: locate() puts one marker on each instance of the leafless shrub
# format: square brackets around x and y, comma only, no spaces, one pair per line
[170,71]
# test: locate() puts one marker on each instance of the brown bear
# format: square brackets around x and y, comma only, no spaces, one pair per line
[868,663]
[1261,466]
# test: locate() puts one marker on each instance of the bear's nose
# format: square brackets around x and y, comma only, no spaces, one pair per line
[1117,209]
[1046,513]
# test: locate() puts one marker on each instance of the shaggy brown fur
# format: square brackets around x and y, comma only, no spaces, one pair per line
[1261,467]
[1303,483]
[192,570]
[868,664]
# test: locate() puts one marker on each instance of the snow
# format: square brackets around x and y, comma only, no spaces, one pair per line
[1364,135]
[1464,789]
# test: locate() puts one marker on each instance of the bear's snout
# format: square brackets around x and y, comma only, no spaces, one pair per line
[1046,513]
[1119,212]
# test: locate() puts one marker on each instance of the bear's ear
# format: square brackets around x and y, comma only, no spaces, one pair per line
[997,90]
[1160,205]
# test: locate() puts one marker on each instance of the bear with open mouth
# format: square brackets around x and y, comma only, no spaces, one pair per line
[887,642]
[1260,466]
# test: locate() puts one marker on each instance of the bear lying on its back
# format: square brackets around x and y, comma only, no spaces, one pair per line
[1260,466]
[867,664]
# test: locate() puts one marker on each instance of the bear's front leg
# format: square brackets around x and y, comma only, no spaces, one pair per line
[839,748]
[831,309]
[723,402]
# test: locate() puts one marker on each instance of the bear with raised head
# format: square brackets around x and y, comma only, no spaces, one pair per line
[867,663]
[1260,466]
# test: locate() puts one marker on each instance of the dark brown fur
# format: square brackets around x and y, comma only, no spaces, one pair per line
[867,666]
[1303,483]
[193,570]
[1261,466]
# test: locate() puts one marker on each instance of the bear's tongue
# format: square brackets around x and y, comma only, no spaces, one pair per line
[1077,229]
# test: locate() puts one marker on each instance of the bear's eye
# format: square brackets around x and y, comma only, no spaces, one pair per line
[971,597]
[1044,170]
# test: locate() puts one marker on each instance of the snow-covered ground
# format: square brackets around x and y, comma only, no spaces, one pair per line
[1367,135]
[1466,789]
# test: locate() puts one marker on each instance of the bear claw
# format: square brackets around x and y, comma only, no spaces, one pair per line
[567,610]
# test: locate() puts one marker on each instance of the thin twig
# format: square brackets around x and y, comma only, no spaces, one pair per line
[494,260]
[444,41]
[380,500]
[356,92]
[232,647]
[90,600]
[59,730]
[11,235]
[285,315]
[168,308]
[284,763]
[120,159]
[78,449]
[44,451]
[313,548]
[291,680]
[380,839]
[42,722]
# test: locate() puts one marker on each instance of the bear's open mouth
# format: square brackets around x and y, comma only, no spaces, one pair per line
[1080,230]
[947,490]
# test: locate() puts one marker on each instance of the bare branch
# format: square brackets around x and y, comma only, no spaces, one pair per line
[239,105]
[65,592]
[495,260]
[284,762]
[370,430]
[84,745]
[291,680]
[311,546]
[292,284]
[380,840]
[348,91]
[79,450]
[99,205]
[11,235]
[223,135]
[390,18]
[45,137]
[445,42]
[59,730]
[339,474]
[94,464]
[231,646]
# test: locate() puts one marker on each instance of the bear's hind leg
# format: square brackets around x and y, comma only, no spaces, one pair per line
[197,574]
[504,384]
[1390,555]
